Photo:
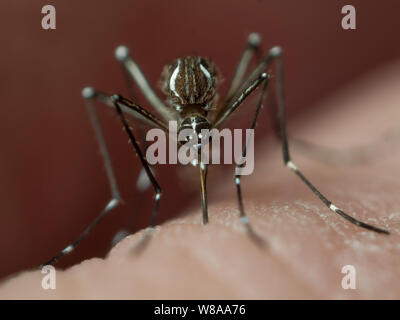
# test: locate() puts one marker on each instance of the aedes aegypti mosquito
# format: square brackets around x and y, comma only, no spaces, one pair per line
[190,84]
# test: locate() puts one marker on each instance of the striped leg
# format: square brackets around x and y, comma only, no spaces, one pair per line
[117,100]
[89,94]
[276,54]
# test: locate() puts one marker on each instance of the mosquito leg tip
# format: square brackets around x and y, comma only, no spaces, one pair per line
[88,92]
[121,53]
[254,39]
[244,220]
[275,51]
[359,223]
[149,229]
[378,230]
[383,231]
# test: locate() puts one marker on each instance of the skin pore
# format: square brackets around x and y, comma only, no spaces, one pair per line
[306,244]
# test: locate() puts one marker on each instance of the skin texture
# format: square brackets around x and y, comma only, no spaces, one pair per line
[306,245]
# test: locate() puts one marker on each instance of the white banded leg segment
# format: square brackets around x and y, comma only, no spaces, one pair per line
[157,196]
[68,249]
[329,204]
[291,166]
[110,206]
[333,208]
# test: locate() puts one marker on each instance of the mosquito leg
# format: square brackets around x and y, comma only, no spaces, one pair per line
[124,232]
[276,53]
[88,94]
[245,93]
[137,112]
[243,218]
[129,84]
[253,45]
[128,107]
[157,189]
[142,184]
[122,55]
[203,179]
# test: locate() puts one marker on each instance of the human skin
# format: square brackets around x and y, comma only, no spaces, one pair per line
[306,244]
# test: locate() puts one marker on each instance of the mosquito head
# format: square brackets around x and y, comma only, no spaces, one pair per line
[190,81]
[193,125]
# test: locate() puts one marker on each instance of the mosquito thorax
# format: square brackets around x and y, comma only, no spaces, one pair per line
[190,81]
[194,125]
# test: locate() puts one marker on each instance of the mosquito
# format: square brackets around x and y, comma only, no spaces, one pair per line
[190,85]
